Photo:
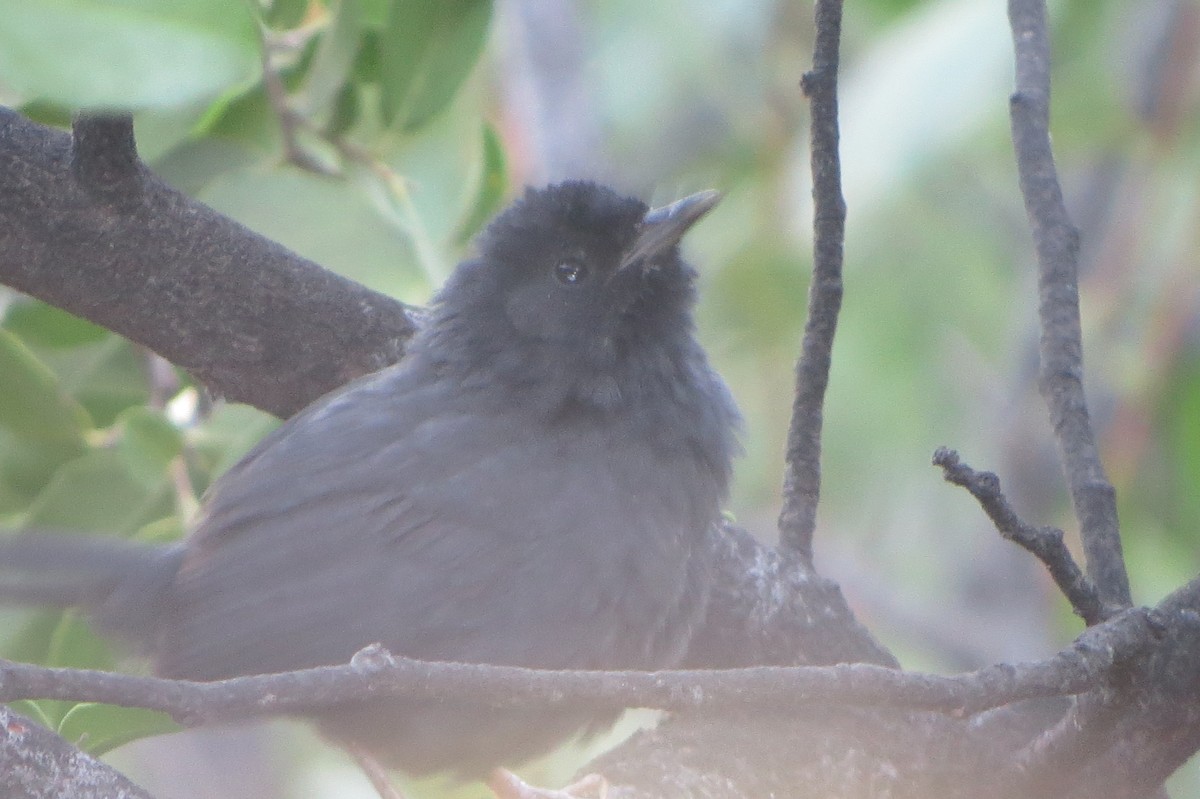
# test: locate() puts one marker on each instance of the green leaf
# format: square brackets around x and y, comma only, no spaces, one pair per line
[331,222]
[367,67]
[243,115]
[105,378]
[493,183]
[31,644]
[74,645]
[43,325]
[126,53]
[148,444]
[191,166]
[46,113]
[345,111]
[286,14]
[60,639]
[427,50]
[25,467]
[98,728]
[334,58]
[166,530]
[230,433]
[34,710]
[32,403]
[376,12]
[97,492]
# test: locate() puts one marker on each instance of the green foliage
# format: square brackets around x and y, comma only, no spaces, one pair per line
[333,58]
[491,186]
[426,50]
[61,640]
[371,86]
[33,404]
[98,728]
[285,14]
[147,445]
[125,53]
[44,325]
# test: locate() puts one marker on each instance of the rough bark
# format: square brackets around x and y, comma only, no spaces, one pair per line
[37,764]
[88,228]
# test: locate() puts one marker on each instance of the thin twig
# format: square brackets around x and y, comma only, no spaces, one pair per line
[290,121]
[1057,242]
[1045,543]
[400,206]
[802,481]
[374,673]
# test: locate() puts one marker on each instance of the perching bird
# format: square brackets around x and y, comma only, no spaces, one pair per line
[532,485]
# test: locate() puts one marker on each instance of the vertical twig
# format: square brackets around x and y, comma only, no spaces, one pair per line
[802,480]
[1061,378]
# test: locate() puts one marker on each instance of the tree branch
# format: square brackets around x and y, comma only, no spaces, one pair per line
[37,764]
[1057,243]
[1045,543]
[802,478]
[767,608]
[86,227]
[1103,741]
[374,673]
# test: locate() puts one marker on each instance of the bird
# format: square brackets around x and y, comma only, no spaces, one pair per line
[536,483]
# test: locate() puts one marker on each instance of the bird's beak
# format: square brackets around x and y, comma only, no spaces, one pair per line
[662,228]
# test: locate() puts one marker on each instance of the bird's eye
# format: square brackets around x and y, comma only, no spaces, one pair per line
[570,273]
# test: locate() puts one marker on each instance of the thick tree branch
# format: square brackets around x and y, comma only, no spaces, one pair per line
[1045,543]
[84,226]
[768,608]
[37,764]
[802,479]
[1057,244]
[839,750]
[1128,737]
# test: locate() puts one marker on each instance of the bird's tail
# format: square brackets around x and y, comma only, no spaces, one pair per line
[124,584]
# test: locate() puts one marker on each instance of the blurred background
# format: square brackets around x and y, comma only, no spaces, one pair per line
[376,136]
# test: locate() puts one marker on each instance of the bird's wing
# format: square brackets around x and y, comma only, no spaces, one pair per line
[390,515]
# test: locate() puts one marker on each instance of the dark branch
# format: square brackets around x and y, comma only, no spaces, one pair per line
[1057,244]
[1151,697]
[104,159]
[87,228]
[375,673]
[802,480]
[37,764]
[767,608]
[1045,543]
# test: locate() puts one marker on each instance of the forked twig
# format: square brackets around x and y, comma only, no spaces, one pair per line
[1045,543]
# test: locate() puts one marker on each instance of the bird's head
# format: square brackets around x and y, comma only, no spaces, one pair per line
[574,274]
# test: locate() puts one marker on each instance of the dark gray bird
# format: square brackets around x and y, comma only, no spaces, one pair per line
[532,485]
